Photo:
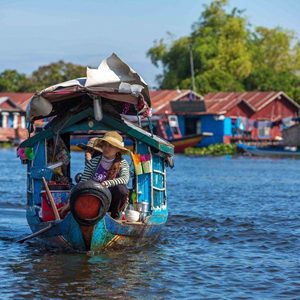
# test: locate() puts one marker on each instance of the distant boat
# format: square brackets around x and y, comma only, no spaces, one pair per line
[270,151]
[187,141]
[168,128]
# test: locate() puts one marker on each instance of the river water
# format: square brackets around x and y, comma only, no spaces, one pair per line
[233,233]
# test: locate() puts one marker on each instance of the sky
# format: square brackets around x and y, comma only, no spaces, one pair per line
[35,33]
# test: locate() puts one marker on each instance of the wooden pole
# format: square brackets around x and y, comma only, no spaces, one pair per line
[192,68]
[54,208]
[37,233]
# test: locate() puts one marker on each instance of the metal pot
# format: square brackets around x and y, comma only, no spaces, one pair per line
[145,207]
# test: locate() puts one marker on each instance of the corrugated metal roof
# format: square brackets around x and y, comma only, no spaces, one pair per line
[160,99]
[8,105]
[216,103]
[220,103]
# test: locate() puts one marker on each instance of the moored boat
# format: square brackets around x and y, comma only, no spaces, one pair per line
[181,143]
[93,104]
[270,151]
[168,128]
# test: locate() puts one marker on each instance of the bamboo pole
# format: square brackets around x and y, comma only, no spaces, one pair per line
[37,233]
[53,206]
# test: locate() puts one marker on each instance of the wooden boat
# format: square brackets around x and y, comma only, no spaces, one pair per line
[270,151]
[181,143]
[168,128]
[92,104]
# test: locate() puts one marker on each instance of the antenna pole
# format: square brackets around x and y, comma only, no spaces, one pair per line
[192,67]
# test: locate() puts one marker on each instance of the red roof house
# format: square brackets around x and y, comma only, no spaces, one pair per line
[266,109]
[165,102]
[12,115]
[195,111]
[271,106]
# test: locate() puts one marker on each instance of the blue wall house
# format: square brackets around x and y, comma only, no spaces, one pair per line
[188,109]
[226,117]
[179,116]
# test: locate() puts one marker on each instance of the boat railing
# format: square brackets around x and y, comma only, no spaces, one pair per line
[164,189]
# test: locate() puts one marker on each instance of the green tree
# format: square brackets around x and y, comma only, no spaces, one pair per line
[219,42]
[12,81]
[233,54]
[229,55]
[55,73]
[276,63]
[271,49]
[175,61]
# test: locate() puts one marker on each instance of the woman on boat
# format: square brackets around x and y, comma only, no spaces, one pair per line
[110,169]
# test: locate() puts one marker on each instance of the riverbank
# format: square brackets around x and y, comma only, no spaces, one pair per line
[6,145]
[213,150]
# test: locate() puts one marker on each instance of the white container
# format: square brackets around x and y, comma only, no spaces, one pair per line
[132,215]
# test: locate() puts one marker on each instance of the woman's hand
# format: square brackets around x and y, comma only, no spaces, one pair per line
[88,155]
[104,183]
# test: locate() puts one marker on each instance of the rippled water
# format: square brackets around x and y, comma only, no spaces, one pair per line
[233,233]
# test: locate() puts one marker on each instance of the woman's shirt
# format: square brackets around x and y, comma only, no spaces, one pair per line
[92,166]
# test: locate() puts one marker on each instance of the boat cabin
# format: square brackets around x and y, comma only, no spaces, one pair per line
[53,161]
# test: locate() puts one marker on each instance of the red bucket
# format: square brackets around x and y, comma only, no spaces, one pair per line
[61,198]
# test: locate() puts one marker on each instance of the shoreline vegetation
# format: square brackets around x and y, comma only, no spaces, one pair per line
[6,145]
[212,150]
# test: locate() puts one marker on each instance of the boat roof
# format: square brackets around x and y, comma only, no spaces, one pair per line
[113,81]
[84,121]
[72,105]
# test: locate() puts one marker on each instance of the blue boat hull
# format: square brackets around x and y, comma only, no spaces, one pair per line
[276,151]
[107,233]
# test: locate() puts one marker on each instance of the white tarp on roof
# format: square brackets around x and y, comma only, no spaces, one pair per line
[113,79]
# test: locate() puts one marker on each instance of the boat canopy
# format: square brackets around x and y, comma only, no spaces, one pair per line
[114,82]
[82,121]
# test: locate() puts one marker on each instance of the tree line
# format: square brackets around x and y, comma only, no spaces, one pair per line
[44,76]
[226,52]
[229,55]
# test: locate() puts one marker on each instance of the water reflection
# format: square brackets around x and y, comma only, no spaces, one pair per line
[59,275]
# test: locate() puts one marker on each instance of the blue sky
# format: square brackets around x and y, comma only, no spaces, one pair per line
[35,32]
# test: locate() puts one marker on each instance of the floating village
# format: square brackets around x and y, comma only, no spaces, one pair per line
[111,113]
[150,160]
[256,122]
